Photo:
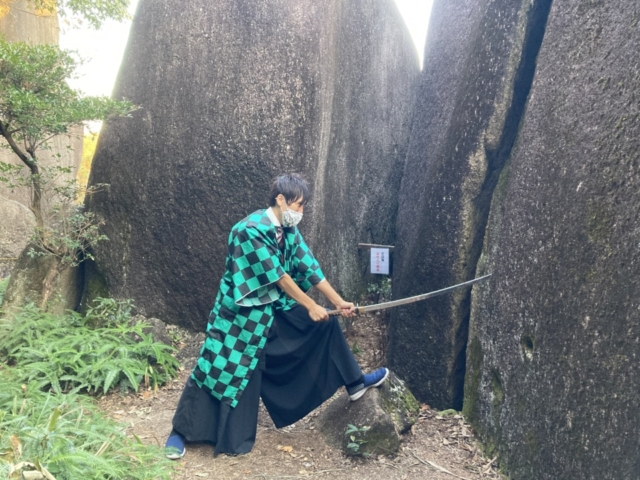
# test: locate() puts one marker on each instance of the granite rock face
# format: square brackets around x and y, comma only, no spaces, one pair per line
[43,281]
[357,177]
[16,229]
[554,341]
[231,94]
[527,130]
[477,73]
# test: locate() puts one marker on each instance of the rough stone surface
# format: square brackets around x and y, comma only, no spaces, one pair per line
[552,383]
[16,229]
[381,416]
[22,24]
[231,94]
[473,88]
[157,328]
[27,284]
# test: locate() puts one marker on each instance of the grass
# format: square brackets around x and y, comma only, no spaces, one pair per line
[64,353]
[67,436]
[49,363]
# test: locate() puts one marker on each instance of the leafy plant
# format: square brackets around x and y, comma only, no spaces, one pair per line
[66,436]
[36,105]
[380,291]
[95,353]
[93,11]
[356,440]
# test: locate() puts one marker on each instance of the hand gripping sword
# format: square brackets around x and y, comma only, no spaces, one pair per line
[405,301]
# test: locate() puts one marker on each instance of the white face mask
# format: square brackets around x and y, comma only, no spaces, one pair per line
[291,218]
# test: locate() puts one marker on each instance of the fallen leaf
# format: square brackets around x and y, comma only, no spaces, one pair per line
[17,446]
[285,448]
[201,474]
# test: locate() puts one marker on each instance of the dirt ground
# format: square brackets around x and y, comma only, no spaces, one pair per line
[438,447]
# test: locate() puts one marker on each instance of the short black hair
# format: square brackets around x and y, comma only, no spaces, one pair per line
[292,186]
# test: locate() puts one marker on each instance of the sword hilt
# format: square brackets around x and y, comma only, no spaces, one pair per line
[331,313]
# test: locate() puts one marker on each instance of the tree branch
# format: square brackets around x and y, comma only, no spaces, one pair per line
[16,149]
[42,142]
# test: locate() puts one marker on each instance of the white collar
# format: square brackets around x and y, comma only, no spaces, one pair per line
[272,217]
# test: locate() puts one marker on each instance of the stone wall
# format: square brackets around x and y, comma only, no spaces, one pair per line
[552,383]
[523,163]
[231,94]
[477,72]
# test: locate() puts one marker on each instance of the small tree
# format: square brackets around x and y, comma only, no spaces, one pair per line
[36,104]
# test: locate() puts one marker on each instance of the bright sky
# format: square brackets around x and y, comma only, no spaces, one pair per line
[102,50]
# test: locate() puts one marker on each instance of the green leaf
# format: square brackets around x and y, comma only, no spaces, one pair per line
[111,376]
[350,429]
[54,419]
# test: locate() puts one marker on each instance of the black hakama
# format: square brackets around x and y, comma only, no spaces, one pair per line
[302,365]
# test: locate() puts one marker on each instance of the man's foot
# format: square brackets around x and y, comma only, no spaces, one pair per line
[373,379]
[174,448]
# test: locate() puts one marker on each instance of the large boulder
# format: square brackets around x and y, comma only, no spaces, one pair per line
[16,229]
[552,379]
[232,93]
[374,424]
[478,65]
[42,279]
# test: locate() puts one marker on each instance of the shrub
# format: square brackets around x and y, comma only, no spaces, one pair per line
[95,353]
[66,435]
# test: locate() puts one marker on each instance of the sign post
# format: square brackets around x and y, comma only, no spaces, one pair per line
[380,261]
[380,258]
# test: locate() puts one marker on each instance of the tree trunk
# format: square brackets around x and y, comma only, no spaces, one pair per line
[36,197]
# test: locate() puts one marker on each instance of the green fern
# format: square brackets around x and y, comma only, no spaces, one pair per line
[63,352]
[68,436]
[45,361]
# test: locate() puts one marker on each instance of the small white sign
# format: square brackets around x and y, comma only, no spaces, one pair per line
[380,261]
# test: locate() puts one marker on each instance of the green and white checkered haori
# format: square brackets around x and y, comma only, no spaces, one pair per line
[246,302]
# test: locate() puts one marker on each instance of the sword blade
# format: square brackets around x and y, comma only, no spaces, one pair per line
[417,298]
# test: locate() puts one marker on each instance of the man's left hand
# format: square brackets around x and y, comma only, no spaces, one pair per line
[348,309]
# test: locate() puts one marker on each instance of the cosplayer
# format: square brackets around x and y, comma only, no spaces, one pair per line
[265,337]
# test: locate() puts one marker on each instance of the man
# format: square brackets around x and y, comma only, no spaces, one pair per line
[266,337]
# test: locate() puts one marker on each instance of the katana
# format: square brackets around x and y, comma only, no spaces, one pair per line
[405,301]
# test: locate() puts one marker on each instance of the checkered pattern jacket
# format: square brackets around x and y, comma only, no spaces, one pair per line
[246,302]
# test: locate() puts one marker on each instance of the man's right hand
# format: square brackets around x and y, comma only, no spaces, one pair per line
[318,313]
